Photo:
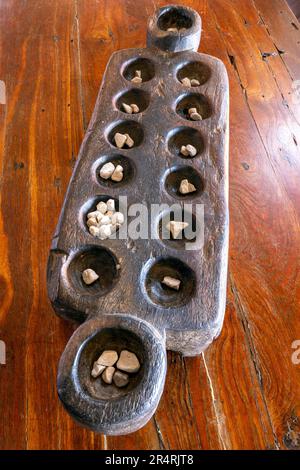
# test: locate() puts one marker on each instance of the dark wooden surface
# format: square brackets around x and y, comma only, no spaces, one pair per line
[244,391]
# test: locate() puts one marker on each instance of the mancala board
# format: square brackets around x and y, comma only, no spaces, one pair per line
[128,307]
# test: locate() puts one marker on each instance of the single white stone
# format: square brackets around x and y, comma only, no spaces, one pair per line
[118,174]
[192,110]
[176,227]
[184,151]
[196,117]
[107,170]
[118,218]
[191,150]
[186,81]
[129,141]
[92,214]
[92,221]
[105,231]
[102,207]
[111,204]
[172,30]
[89,276]
[136,80]
[95,231]
[195,82]
[138,73]
[135,108]
[107,375]
[107,358]
[120,140]
[128,362]
[186,187]
[97,370]
[171,282]
[105,220]
[120,379]
[127,108]
[99,217]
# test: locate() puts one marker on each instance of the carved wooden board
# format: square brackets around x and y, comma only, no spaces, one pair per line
[128,307]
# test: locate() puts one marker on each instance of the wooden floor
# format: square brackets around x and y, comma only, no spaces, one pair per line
[244,391]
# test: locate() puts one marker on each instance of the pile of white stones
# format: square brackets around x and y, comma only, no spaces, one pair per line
[114,368]
[137,77]
[194,115]
[190,82]
[123,139]
[130,108]
[110,171]
[105,220]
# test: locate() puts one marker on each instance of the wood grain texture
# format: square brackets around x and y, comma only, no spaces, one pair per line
[244,391]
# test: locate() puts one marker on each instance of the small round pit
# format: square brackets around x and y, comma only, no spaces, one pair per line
[184,136]
[125,162]
[102,261]
[193,100]
[175,175]
[146,66]
[188,235]
[135,96]
[162,295]
[179,18]
[195,70]
[116,339]
[132,128]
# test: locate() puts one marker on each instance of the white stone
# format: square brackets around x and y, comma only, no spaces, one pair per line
[107,170]
[99,217]
[129,141]
[92,214]
[184,151]
[136,80]
[118,218]
[192,110]
[127,108]
[196,117]
[111,204]
[105,220]
[171,282]
[128,362]
[120,379]
[105,231]
[107,375]
[118,174]
[97,370]
[95,231]
[186,187]
[102,207]
[89,276]
[135,109]
[191,150]
[195,82]
[92,221]
[120,140]
[107,358]
[176,227]
[186,81]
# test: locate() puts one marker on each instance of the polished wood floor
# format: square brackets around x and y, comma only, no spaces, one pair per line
[243,392]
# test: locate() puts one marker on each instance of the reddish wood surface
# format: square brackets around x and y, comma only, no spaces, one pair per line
[243,393]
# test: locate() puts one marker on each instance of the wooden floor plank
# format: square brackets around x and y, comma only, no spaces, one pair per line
[243,392]
[270,297]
